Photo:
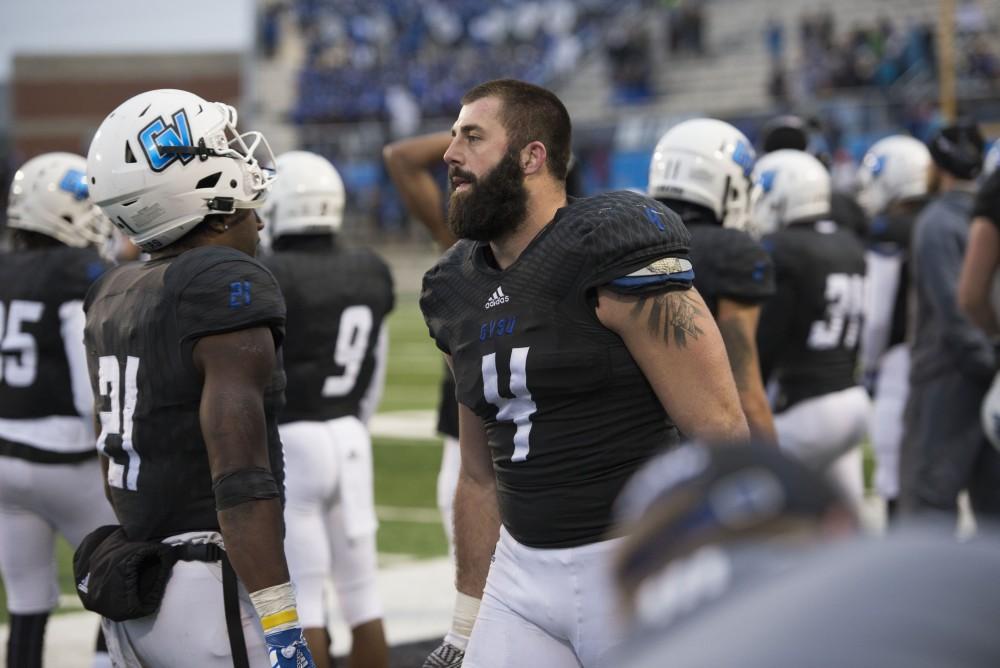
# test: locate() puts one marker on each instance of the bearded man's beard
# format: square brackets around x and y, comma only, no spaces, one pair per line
[492,207]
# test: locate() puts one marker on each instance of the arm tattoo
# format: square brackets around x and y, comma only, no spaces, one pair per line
[671,315]
[740,350]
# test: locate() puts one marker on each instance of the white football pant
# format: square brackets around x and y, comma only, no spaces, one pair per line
[826,432]
[546,607]
[330,519]
[36,501]
[891,390]
[189,629]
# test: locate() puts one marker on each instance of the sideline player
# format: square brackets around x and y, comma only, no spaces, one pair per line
[49,475]
[701,170]
[577,344]
[952,361]
[334,353]
[183,352]
[809,331]
[893,180]
[409,162]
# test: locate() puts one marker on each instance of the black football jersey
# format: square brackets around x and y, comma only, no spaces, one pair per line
[729,264]
[568,413]
[35,288]
[809,331]
[337,300]
[143,321]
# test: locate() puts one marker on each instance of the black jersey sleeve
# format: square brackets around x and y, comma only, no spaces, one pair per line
[633,244]
[224,292]
[745,272]
[777,315]
[436,302]
[987,203]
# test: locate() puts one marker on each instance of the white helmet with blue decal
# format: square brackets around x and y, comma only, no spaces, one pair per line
[707,162]
[49,195]
[789,186]
[893,169]
[165,159]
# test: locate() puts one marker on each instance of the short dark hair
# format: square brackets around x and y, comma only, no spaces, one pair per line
[531,113]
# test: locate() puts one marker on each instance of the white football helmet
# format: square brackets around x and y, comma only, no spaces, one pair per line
[707,162]
[893,169]
[49,195]
[165,159]
[308,199]
[788,186]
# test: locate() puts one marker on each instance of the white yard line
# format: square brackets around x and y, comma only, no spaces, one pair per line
[405,424]
[402,514]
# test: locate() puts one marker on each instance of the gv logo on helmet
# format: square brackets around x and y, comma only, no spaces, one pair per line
[158,135]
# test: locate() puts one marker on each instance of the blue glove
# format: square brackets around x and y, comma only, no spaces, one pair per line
[287,649]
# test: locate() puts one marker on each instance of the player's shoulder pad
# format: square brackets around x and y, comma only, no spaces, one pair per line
[437,295]
[220,289]
[746,270]
[632,243]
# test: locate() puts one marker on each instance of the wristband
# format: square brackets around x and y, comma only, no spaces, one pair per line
[276,608]
[462,621]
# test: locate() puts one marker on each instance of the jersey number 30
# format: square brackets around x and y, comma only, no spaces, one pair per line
[845,303]
[517,410]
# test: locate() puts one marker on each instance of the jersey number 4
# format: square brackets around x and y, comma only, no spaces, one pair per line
[845,303]
[517,410]
[115,440]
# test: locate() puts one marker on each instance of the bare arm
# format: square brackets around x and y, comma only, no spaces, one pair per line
[237,367]
[738,327]
[409,163]
[477,516]
[675,341]
[982,255]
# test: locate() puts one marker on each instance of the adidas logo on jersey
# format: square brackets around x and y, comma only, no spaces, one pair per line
[497,298]
[84,583]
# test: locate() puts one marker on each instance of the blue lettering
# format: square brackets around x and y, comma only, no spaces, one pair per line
[239,294]
[494,328]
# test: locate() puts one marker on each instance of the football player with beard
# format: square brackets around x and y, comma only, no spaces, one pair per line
[49,474]
[579,348]
[701,169]
[893,178]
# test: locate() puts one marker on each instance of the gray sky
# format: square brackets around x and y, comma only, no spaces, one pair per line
[108,26]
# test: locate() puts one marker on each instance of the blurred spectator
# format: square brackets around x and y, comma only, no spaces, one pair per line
[360,55]
[944,448]
[774,38]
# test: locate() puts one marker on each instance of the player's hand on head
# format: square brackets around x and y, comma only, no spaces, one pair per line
[288,649]
[445,656]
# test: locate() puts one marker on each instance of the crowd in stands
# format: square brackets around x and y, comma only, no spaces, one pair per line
[878,54]
[375,60]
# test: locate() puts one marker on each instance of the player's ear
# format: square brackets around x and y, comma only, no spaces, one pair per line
[532,158]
